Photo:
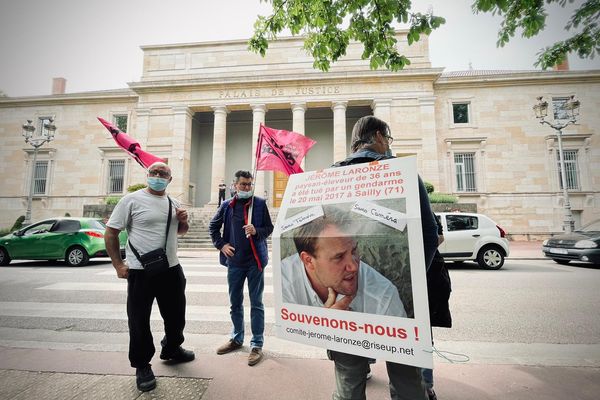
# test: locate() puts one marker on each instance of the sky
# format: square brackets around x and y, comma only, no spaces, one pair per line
[95,44]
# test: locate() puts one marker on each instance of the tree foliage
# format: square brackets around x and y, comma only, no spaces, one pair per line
[330,25]
[530,17]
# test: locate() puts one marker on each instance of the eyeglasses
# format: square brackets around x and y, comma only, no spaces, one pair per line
[389,139]
[245,184]
[162,174]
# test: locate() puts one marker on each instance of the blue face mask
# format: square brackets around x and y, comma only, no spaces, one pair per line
[157,184]
[244,195]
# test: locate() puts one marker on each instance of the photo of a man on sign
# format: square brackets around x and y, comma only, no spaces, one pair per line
[327,271]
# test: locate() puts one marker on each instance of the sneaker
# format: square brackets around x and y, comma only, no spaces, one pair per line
[144,378]
[431,394]
[179,355]
[229,347]
[255,356]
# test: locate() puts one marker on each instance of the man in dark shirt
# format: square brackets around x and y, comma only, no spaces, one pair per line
[222,188]
[243,246]
[371,141]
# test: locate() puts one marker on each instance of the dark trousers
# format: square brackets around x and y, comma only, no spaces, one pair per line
[169,290]
[221,196]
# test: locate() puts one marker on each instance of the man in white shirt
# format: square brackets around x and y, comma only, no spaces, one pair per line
[327,272]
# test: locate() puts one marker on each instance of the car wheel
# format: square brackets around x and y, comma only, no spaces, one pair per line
[77,257]
[490,257]
[4,257]
[561,262]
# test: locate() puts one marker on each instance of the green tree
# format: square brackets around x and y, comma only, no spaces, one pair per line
[330,25]
[530,17]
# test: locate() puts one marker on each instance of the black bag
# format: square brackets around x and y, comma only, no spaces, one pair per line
[155,261]
[439,287]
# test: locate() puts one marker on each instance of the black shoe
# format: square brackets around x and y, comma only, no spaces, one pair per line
[179,355]
[144,378]
[431,394]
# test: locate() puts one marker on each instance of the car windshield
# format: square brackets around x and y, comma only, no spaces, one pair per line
[592,227]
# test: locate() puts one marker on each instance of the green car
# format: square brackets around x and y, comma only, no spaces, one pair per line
[75,240]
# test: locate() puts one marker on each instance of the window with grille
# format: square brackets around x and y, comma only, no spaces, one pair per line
[571,169]
[40,177]
[116,172]
[120,122]
[464,164]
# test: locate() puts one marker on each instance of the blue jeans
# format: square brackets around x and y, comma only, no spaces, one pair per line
[427,377]
[256,284]
[351,379]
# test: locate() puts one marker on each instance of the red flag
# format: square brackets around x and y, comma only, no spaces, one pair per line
[129,144]
[281,150]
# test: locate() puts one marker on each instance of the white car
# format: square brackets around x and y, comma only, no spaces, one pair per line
[473,237]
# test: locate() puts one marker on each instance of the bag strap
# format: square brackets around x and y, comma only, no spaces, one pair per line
[135,252]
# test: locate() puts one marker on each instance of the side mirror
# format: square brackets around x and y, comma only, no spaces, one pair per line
[18,233]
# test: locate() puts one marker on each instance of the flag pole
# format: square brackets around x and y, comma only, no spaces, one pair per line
[254,175]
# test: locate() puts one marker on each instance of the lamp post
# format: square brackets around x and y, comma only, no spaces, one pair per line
[541,112]
[47,135]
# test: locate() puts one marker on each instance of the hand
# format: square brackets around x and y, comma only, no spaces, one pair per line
[181,214]
[343,304]
[122,270]
[249,230]
[228,250]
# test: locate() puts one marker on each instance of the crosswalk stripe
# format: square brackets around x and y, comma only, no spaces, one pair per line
[188,273]
[121,286]
[115,311]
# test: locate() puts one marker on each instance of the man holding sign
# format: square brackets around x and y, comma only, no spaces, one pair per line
[371,140]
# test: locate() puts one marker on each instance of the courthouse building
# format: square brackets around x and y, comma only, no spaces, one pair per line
[199,105]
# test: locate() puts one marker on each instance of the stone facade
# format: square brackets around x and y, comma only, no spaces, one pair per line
[200,106]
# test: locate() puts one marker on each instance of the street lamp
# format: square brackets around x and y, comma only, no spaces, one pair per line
[47,135]
[541,112]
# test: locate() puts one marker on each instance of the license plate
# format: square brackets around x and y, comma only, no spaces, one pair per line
[559,251]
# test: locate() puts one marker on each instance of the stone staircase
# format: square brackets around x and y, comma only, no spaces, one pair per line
[197,237]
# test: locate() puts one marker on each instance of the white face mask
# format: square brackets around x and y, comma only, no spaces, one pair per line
[244,195]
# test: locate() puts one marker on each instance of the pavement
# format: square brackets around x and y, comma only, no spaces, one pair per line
[37,373]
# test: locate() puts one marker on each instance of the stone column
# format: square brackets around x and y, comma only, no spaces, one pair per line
[339,130]
[181,153]
[218,161]
[298,110]
[258,117]
[382,109]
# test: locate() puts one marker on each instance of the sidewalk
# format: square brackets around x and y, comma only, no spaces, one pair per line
[75,374]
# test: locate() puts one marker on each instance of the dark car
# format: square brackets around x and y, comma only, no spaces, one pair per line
[582,245]
[74,240]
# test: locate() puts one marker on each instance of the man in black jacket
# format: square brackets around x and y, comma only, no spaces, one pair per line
[371,140]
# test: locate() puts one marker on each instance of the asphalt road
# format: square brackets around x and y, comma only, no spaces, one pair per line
[529,312]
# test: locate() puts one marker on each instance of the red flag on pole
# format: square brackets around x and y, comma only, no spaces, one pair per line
[281,150]
[129,144]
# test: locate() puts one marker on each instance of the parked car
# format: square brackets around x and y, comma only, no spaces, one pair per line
[581,245]
[74,240]
[473,237]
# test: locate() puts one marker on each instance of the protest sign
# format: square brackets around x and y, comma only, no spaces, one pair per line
[351,237]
